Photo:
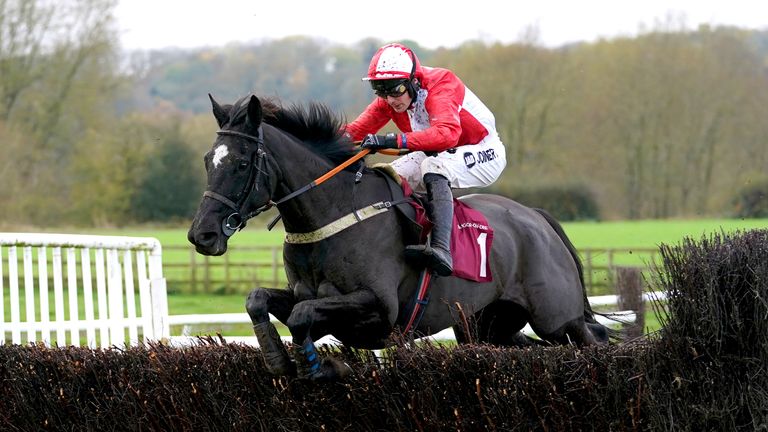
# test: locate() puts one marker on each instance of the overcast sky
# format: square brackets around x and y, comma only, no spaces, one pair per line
[148,24]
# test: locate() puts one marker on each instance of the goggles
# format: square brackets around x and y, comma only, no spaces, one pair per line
[385,88]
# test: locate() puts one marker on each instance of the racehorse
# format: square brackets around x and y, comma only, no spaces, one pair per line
[354,283]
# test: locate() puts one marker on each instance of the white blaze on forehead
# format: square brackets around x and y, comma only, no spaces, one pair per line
[218,154]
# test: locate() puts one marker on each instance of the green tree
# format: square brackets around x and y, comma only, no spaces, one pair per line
[106,171]
[654,120]
[171,185]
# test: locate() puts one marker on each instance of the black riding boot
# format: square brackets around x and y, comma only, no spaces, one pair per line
[437,255]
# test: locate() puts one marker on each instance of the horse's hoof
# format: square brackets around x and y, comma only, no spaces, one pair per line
[331,370]
[340,368]
[276,357]
[282,367]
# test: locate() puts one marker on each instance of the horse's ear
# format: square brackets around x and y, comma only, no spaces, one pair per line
[254,112]
[220,113]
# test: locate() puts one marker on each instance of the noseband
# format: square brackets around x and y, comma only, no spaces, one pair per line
[236,220]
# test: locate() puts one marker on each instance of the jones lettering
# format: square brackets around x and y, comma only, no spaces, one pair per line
[485,156]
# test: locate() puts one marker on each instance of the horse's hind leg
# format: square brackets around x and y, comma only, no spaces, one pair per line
[499,323]
[599,332]
[259,304]
[510,339]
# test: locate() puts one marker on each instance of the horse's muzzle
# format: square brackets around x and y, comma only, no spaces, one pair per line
[207,242]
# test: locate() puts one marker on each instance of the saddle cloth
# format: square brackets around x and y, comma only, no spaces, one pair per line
[471,238]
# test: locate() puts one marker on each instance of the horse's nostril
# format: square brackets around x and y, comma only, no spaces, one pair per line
[205,239]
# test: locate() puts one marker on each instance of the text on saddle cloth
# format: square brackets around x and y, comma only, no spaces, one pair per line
[471,239]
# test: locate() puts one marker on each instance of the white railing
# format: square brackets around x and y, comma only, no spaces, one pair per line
[115,266]
[189,321]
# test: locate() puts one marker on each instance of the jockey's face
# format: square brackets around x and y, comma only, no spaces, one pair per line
[399,103]
[394,92]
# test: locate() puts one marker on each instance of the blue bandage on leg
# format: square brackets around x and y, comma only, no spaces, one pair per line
[310,353]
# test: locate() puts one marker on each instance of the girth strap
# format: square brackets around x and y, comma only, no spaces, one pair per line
[420,301]
[340,224]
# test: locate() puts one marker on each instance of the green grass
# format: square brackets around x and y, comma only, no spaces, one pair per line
[585,235]
[651,233]
[187,304]
[637,242]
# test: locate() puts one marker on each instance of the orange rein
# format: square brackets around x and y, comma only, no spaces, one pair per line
[345,164]
[322,179]
[353,159]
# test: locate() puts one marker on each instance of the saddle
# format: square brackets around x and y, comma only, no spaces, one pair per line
[410,208]
[471,235]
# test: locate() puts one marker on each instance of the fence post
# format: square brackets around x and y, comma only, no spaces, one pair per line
[629,288]
[588,272]
[193,270]
[207,274]
[227,287]
[275,268]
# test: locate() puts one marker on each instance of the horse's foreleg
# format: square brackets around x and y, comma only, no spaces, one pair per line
[359,318]
[260,303]
[358,313]
[264,301]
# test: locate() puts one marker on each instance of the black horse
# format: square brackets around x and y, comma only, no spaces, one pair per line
[353,282]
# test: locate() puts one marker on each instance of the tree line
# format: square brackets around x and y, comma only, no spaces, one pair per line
[669,123]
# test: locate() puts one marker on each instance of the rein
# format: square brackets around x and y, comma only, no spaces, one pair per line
[320,180]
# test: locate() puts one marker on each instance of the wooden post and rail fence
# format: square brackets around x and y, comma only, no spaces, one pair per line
[243,268]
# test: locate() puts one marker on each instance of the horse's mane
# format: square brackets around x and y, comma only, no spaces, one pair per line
[314,124]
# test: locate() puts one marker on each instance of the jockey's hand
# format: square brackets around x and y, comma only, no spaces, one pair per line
[377,142]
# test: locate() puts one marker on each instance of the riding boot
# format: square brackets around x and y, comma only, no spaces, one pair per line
[437,254]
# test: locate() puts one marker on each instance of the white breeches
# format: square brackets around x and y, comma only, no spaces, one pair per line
[473,165]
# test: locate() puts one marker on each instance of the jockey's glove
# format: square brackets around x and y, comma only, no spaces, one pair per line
[377,142]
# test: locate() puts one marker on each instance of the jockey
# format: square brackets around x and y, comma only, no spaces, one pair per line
[450,133]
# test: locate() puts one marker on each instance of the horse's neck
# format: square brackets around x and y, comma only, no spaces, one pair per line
[298,164]
[320,205]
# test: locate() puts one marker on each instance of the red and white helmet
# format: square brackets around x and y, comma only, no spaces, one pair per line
[393,61]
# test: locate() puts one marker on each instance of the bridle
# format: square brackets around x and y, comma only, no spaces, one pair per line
[236,221]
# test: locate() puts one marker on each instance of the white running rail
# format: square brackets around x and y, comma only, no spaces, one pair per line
[189,322]
[115,315]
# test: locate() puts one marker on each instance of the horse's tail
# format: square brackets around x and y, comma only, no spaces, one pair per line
[589,315]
